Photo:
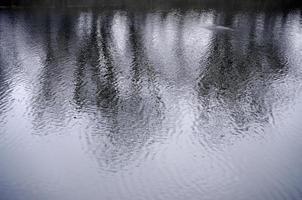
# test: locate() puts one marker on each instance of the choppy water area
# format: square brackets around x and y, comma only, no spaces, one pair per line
[171,104]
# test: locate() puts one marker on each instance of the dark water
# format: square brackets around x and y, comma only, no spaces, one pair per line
[163,104]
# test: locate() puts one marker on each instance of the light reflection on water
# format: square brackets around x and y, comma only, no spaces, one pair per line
[150,105]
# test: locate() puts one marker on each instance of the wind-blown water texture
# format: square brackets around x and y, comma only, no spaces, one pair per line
[150,105]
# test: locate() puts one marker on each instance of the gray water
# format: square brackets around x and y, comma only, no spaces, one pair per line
[160,104]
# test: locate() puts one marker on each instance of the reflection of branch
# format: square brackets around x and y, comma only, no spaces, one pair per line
[107,96]
[49,65]
[136,49]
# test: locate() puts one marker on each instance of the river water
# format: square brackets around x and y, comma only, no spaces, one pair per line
[155,104]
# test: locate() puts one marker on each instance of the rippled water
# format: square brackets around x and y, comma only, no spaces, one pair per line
[164,104]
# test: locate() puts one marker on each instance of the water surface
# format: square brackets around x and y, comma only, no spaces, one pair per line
[159,104]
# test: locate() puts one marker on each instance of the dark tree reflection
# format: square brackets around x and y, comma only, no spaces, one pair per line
[119,76]
[239,81]
[96,86]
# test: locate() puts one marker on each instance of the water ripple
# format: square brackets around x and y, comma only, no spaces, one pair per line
[164,104]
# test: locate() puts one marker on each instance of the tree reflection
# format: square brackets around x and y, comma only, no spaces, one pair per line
[48,104]
[113,75]
[235,88]
[127,123]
